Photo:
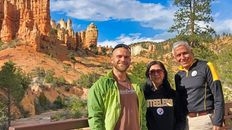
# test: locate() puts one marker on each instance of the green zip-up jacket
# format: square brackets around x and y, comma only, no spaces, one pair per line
[104,104]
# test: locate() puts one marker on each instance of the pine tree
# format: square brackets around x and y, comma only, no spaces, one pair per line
[190,17]
[14,83]
[72,58]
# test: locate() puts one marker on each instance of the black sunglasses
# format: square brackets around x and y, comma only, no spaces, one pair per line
[159,71]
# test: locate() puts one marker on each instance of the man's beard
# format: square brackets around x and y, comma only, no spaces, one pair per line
[121,68]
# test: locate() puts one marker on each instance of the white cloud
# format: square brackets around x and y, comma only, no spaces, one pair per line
[108,43]
[165,35]
[151,15]
[223,26]
[129,39]
[155,16]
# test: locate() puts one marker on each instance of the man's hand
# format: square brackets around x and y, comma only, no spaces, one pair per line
[217,127]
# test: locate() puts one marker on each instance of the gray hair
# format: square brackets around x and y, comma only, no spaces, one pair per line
[180,43]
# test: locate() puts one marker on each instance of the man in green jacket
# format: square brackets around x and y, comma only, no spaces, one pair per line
[115,101]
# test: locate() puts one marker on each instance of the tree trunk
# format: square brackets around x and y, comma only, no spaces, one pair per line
[192,17]
[8,108]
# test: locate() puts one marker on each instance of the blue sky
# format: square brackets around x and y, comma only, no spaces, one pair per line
[130,21]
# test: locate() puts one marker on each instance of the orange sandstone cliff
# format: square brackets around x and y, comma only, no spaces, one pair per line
[24,19]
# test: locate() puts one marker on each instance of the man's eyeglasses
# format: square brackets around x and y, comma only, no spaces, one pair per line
[159,71]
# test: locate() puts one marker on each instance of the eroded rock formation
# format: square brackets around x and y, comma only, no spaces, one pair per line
[29,21]
[24,19]
[74,40]
[91,36]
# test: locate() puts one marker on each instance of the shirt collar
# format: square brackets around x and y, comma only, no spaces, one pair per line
[183,69]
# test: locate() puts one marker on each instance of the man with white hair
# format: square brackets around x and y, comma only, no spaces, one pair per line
[199,88]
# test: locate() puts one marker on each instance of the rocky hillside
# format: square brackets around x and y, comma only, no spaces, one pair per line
[63,63]
[57,60]
[87,63]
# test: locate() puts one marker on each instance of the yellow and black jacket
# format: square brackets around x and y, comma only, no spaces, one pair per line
[200,90]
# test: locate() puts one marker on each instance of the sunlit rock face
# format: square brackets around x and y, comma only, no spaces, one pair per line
[73,40]
[91,36]
[65,33]
[21,18]
[136,50]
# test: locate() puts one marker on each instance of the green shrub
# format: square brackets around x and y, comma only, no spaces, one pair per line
[61,81]
[43,100]
[3,126]
[104,51]
[196,39]
[144,45]
[49,77]
[13,43]
[204,53]
[53,32]
[61,116]
[67,87]
[66,68]
[76,106]
[87,80]
[42,104]
[58,103]
[72,58]
[138,72]
[93,48]
[153,56]
[40,73]
[3,116]
[1,45]
[227,94]
[171,74]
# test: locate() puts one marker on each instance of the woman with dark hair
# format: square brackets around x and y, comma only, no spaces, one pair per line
[163,112]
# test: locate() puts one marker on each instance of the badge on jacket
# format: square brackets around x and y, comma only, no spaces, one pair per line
[160,111]
[194,73]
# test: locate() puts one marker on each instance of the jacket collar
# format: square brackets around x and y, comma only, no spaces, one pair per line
[181,68]
[110,75]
